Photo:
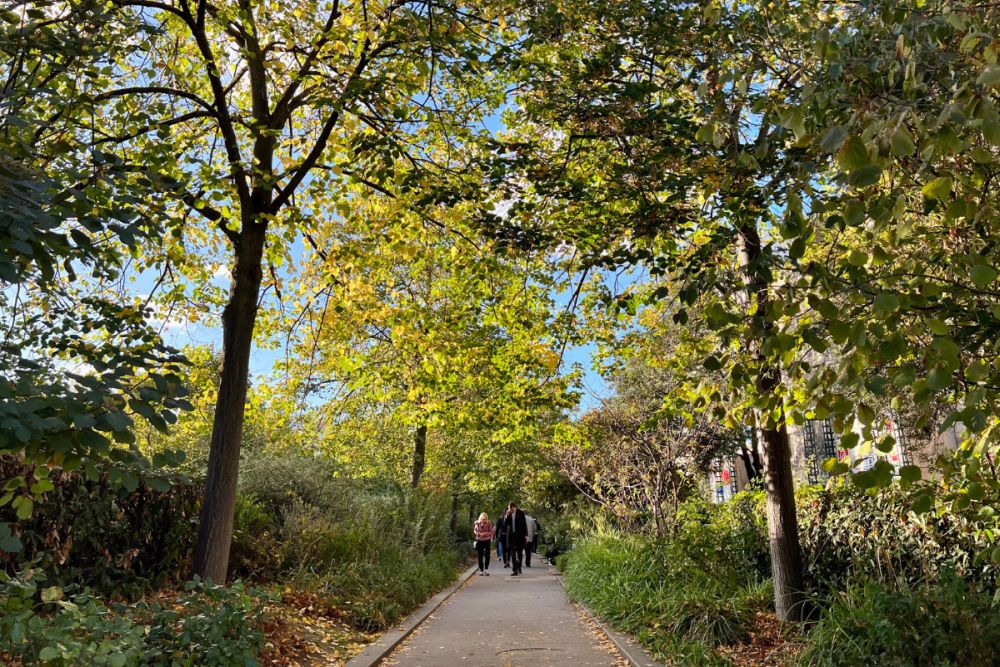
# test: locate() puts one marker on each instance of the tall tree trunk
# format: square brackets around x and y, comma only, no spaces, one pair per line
[782,523]
[751,456]
[782,526]
[215,531]
[453,520]
[419,455]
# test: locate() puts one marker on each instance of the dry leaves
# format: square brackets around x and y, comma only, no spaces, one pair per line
[770,644]
[304,630]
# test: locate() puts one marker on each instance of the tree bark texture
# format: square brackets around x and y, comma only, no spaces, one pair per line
[215,531]
[453,517]
[782,522]
[419,455]
[751,457]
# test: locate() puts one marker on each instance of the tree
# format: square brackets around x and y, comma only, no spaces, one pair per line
[251,118]
[902,276]
[657,148]
[815,179]
[428,332]
[76,365]
[640,452]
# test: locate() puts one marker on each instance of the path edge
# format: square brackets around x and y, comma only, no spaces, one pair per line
[378,650]
[628,646]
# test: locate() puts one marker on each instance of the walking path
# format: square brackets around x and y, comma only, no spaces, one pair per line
[504,621]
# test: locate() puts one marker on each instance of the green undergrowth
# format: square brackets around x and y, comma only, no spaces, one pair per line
[888,587]
[202,625]
[98,580]
[684,594]
[119,530]
[947,624]
[372,549]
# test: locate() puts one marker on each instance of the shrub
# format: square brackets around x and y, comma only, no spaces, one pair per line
[848,534]
[274,481]
[665,592]
[374,548]
[117,530]
[207,625]
[255,545]
[699,587]
[946,623]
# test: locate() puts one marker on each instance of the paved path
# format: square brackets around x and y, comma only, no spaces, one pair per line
[504,621]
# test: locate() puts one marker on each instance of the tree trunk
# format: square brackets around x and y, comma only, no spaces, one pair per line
[782,523]
[751,456]
[453,520]
[782,526]
[419,455]
[215,531]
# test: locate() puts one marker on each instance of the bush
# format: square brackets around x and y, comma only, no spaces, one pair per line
[119,530]
[946,623]
[848,534]
[274,481]
[698,588]
[255,545]
[373,548]
[207,625]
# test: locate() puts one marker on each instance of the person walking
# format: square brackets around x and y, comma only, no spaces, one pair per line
[483,531]
[501,532]
[517,531]
[529,539]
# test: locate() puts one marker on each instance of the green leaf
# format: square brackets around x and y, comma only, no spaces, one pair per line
[910,473]
[983,275]
[11,544]
[865,176]
[865,414]
[864,480]
[25,508]
[42,486]
[158,484]
[117,421]
[857,258]
[901,143]
[991,130]
[886,303]
[922,503]
[938,378]
[129,482]
[977,371]
[712,363]
[849,440]
[853,154]
[990,76]
[885,444]
[833,139]
[49,653]
[51,594]
[938,327]
[939,188]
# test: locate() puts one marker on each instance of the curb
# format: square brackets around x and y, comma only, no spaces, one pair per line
[630,649]
[377,651]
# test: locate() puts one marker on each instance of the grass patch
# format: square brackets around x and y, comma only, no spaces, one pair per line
[683,595]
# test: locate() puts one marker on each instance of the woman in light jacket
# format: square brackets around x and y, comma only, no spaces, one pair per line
[483,530]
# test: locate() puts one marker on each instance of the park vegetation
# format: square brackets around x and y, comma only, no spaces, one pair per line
[397,221]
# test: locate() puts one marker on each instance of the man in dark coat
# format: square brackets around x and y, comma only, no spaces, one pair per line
[517,532]
[501,530]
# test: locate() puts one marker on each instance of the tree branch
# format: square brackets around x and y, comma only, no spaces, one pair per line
[154,90]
